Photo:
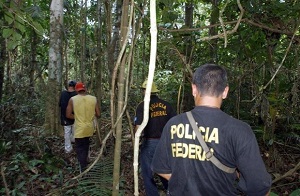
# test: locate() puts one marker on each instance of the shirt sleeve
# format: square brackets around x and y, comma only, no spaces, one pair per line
[139,114]
[254,180]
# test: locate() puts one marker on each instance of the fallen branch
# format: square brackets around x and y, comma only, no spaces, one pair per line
[290,172]
[4,181]
[54,192]
[285,145]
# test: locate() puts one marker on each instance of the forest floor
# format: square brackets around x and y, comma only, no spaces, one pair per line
[30,169]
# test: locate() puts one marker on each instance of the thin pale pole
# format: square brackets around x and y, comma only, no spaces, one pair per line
[153,32]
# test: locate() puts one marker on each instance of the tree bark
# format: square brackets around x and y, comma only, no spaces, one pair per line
[54,67]
[121,98]
[83,41]
[3,57]
[214,31]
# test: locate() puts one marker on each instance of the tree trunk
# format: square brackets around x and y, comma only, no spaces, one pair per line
[83,41]
[112,47]
[214,31]
[188,100]
[54,67]
[33,64]
[2,64]
[121,98]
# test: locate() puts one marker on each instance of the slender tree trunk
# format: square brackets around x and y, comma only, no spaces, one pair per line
[188,100]
[33,64]
[100,56]
[3,56]
[112,62]
[121,98]
[214,31]
[54,67]
[113,47]
[83,41]
[2,64]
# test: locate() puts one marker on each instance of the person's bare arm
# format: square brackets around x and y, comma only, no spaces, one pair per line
[69,111]
[166,176]
[97,110]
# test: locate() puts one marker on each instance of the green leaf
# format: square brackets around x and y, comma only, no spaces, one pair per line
[295,192]
[38,28]
[12,44]
[35,162]
[19,186]
[20,26]
[7,33]
[9,18]
[273,194]
[16,36]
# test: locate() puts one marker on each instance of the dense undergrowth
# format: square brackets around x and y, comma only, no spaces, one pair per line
[34,164]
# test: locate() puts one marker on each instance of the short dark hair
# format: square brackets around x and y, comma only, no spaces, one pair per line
[210,79]
[72,83]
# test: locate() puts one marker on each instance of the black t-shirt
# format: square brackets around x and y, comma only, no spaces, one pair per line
[63,103]
[160,112]
[179,153]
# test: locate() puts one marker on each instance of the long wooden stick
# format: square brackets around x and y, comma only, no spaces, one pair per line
[290,172]
[4,181]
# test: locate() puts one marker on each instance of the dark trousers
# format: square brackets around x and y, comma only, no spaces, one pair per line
[147,152]
[82,151]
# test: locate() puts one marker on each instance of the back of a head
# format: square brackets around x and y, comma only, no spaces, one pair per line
[153,88]
[72,83]
[80,87]
[210,79]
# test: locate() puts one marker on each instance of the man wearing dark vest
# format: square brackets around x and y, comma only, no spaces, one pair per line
[180,158]
[66,122]
[160,112]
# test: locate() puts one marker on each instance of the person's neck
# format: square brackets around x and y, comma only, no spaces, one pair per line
[71,90]
[212,102]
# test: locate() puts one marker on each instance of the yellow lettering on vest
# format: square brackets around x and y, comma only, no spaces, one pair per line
[156,105]
[180,130]
[198,152]
[187,134]
[202,129]
[185,150]
[173,147]
[214,136]
[158,113]
[206,134]
[173,131]
[192,151]
[178,149]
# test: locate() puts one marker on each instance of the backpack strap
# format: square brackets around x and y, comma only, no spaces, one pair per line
[209,155]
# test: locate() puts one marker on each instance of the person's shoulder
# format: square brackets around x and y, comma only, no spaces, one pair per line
[73,93]
[239,126]
[64,92]
[179,118]
[236,122]
[164,101]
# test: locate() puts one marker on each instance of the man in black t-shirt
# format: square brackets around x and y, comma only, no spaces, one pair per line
[66,122]
[160,112]
[180,158]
